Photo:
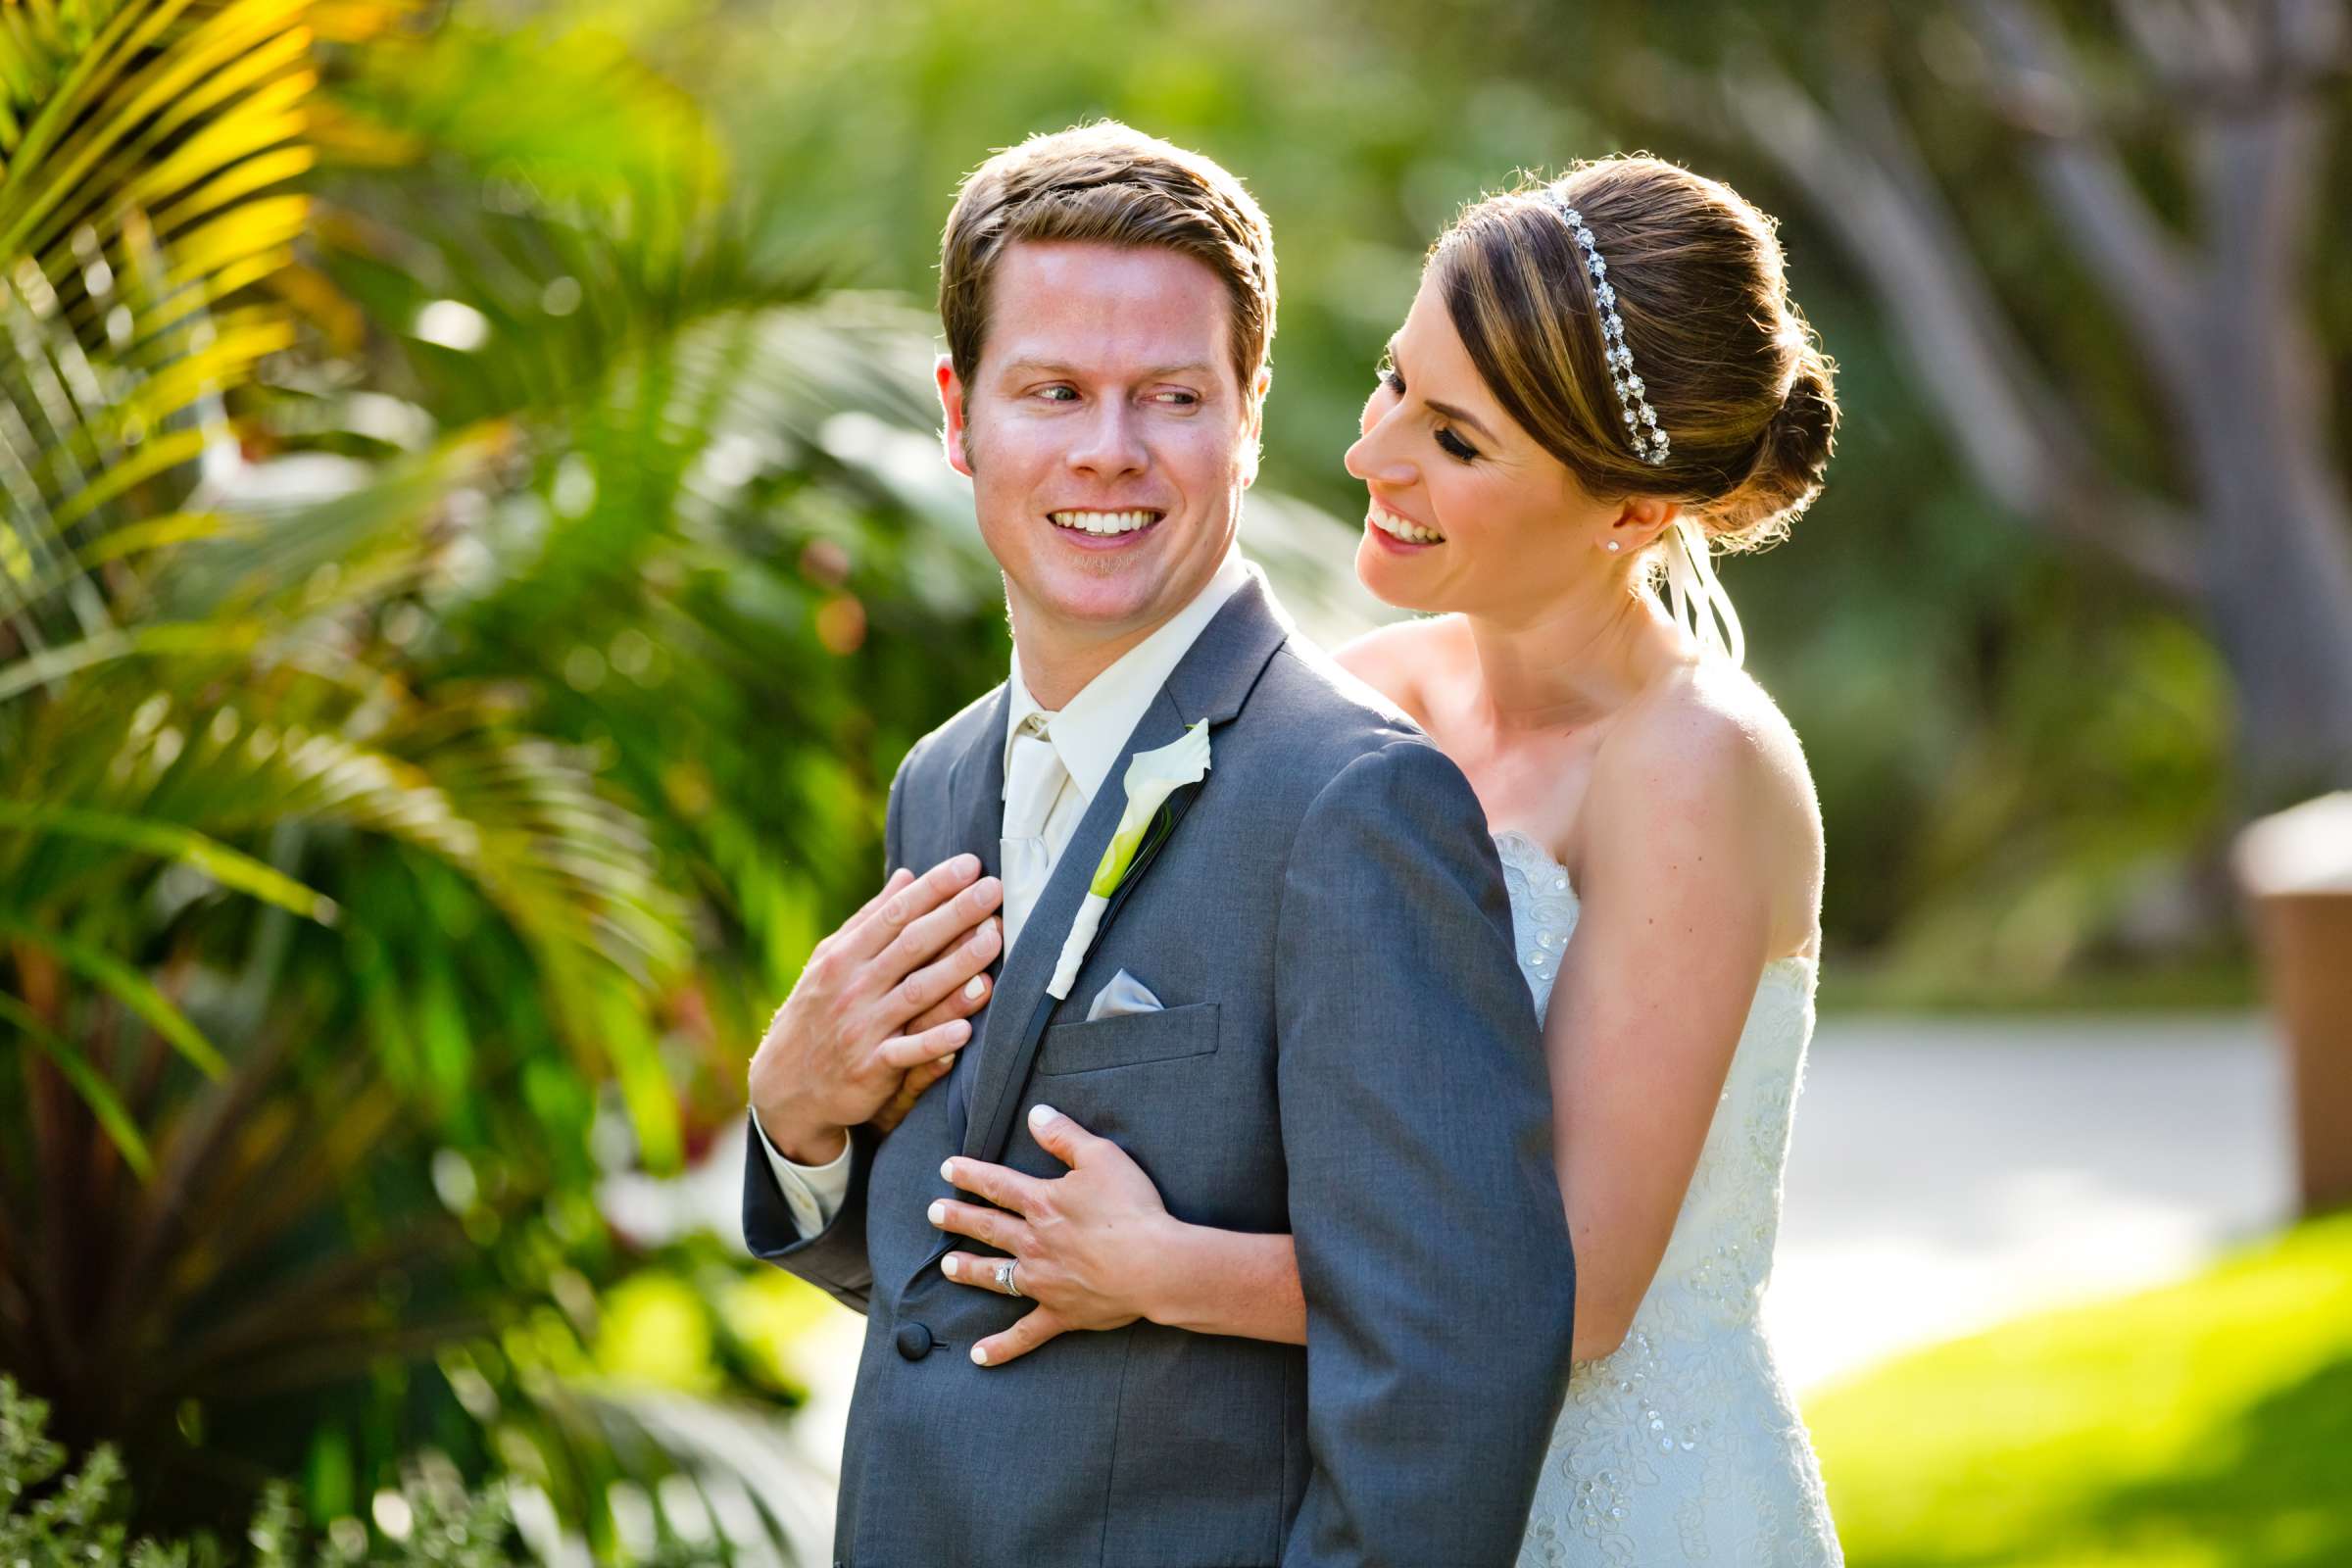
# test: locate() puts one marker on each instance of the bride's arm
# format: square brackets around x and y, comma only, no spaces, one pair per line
[1097,1250]
[1695,821]
[1230,1282]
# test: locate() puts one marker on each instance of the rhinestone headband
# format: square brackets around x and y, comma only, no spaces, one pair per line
[1640,419]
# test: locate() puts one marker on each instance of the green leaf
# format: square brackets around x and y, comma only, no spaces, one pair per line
[87,1082]
[134,989]
[194,637]
[231,868]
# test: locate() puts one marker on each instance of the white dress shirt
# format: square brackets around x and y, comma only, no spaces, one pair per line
[1089,735]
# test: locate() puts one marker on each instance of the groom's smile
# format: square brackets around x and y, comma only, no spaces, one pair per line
[1106,529]
[1107,437]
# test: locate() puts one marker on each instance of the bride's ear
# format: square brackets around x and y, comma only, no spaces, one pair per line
[1638,524]
[951,404]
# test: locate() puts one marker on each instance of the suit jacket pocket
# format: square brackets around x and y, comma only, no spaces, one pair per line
[1129,1040]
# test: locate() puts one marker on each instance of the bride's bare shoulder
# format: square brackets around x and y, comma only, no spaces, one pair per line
[1712,727]
[1707,757]
[1399,660]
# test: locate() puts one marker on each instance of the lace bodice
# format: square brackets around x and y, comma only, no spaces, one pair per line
[1685,1446]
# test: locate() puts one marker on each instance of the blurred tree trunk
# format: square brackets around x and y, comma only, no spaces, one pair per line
[2219,317]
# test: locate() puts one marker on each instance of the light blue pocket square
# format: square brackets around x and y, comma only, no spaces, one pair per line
[1124,995]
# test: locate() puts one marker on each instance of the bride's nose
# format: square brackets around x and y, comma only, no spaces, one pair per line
[1367,460]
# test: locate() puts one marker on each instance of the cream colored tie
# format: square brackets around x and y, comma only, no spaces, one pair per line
[1033,779]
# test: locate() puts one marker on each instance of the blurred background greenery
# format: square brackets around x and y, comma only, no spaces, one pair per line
[477,549]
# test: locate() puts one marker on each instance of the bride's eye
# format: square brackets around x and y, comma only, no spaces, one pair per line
[1454,446]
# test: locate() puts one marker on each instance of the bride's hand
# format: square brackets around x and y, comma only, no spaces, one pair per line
[1087,1243]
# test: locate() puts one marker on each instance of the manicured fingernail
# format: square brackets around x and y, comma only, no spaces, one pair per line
[966,864]
[939,1213]
[1041,1115]
[946,1265]
[973,987]
[959,1028]
[947,1170]
[980,1355]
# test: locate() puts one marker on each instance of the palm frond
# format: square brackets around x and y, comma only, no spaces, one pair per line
[127,984]
[165,841]
[143,153]
[87,1081]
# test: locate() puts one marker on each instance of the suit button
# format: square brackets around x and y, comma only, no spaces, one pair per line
[914,1340]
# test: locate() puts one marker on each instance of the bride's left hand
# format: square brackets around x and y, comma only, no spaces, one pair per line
[1087,1242]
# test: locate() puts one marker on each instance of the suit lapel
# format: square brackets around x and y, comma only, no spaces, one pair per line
[1209,682]
[976,790]
[976,805]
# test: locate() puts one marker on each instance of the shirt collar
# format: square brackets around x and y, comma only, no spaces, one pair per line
[1092,728]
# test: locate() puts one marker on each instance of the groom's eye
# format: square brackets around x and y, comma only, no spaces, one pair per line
[1060,394]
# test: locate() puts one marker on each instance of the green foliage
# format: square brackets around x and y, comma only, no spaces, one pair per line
[48,1522]
[2204,1423]
[384,721]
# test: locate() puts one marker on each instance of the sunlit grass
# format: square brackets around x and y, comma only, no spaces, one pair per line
[2201,1424]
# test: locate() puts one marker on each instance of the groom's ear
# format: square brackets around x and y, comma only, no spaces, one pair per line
[1257,425]
[951,404]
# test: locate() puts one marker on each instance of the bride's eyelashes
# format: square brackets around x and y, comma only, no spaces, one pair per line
[1454,446]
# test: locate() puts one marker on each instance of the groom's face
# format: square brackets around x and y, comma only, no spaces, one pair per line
[1107,435]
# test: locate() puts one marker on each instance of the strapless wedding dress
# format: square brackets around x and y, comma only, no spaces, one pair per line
[1685,1446]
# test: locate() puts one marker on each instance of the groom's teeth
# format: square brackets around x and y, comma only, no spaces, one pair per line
[1106,522]
[1389,522]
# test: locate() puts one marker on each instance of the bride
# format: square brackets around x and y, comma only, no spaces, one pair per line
[1602,382]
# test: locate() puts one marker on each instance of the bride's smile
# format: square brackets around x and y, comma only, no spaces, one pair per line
[1402,530]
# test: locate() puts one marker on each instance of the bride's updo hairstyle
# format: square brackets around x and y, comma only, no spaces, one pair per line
[1727,363]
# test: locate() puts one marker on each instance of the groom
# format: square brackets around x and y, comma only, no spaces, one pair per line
[1298,1012]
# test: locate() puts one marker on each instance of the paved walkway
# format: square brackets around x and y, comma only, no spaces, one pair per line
[1949,1174]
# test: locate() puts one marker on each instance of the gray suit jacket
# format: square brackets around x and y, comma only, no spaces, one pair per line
[1348,1052]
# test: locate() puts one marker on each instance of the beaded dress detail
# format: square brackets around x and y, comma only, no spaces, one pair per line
[1684,1446]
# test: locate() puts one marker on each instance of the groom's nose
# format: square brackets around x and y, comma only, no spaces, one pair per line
[1107,443]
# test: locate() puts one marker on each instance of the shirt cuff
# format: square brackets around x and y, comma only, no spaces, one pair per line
[812,1193]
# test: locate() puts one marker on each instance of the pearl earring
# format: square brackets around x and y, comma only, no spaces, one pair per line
[1614,547]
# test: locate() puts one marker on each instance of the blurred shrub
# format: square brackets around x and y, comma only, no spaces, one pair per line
[49,1520]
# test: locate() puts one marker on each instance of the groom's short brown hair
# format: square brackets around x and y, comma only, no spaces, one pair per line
[1107,184]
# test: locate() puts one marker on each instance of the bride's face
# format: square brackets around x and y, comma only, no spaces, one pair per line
[1467,511]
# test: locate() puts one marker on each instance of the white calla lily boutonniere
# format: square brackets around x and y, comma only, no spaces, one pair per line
[1151,779]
